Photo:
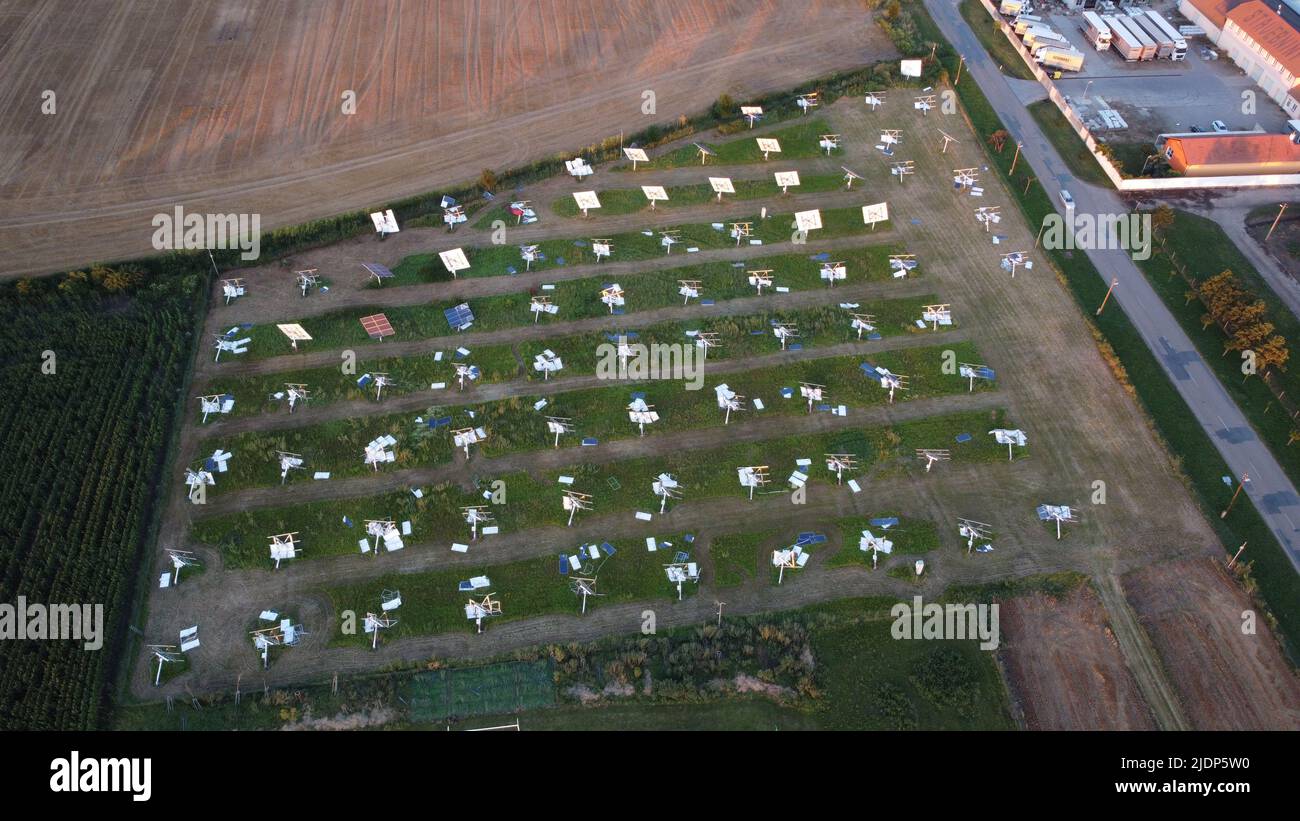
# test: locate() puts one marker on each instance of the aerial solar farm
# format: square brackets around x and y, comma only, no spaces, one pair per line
[816,338]
[681,421]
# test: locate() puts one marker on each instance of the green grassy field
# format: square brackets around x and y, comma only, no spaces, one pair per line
[912,537]
[431,603]
[1076,155]
[580,299]
[507,260]
[735,557]
[513,425]
[994,41]
[255,394]
[833,667]
[632,200]
[797,141]
[536,502]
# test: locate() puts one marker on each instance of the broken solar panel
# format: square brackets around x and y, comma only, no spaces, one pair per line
[459,317]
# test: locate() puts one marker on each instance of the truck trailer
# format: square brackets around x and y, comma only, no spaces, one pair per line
[1036,38]
[1180,44]
[1123,40]
[1057,57]
[1011,7]
[1024,21]
[1149,47]
[1097,32]
[1164,43]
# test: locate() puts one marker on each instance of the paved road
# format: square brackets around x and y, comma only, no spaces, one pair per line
[1270,489]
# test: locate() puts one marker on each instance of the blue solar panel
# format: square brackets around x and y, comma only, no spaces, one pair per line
[377,271]
[608,548]
[887,521]
[460,316]
[590,440]
[564,565]
[963,437]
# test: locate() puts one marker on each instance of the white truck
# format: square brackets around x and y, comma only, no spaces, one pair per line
[1164,43]
[1011,7]
[1097,32]
[1180,44]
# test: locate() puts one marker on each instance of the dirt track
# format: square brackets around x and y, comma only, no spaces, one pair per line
[237,106]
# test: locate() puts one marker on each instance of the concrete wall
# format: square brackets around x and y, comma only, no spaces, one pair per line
[1112,173]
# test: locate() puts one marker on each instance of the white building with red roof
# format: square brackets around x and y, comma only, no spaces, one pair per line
[1264,41]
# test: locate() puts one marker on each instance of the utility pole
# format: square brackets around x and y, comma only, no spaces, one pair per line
[1280,211]
[1244,479]
[719,605]
[960,63]
[1113,282]
[1013,161]
[1028,182]
[1234,558]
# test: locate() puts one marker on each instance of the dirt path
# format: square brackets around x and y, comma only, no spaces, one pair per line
[1141,657]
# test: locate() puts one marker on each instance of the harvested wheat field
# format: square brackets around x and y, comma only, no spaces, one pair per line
[238,106]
